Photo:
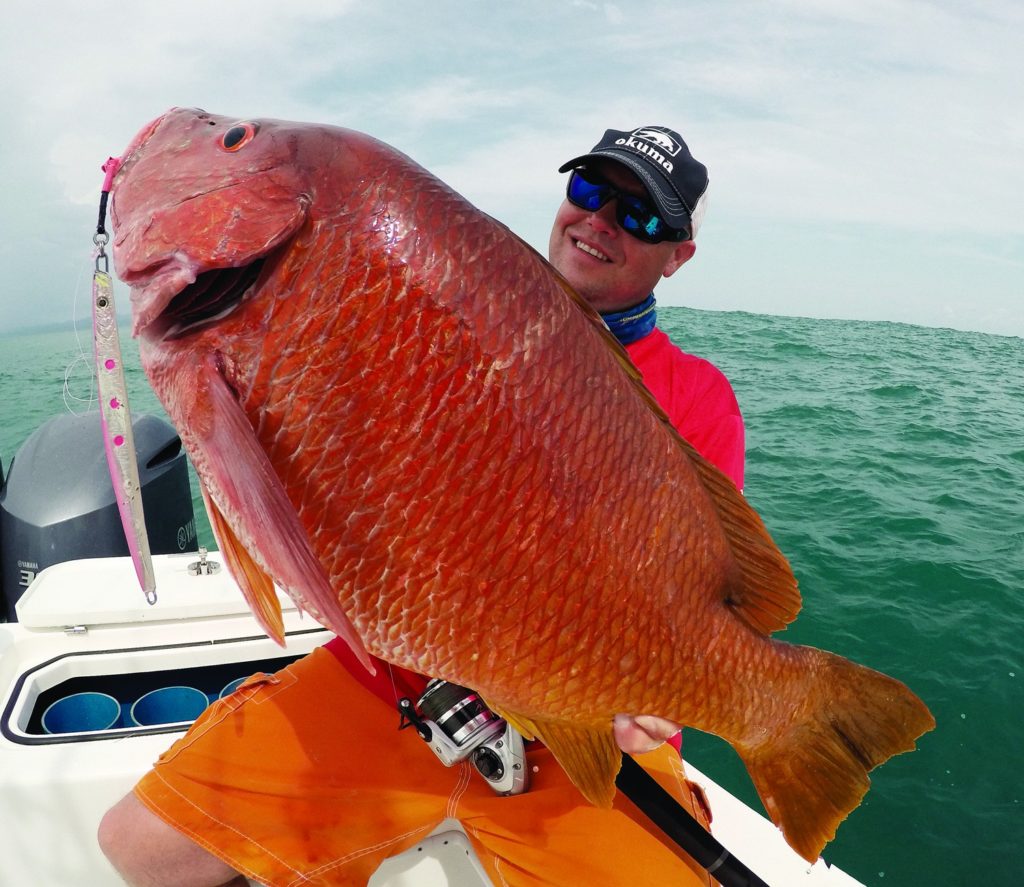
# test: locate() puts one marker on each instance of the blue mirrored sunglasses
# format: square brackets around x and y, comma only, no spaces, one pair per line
[590,191]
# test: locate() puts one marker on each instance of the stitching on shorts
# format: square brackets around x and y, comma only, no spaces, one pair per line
[221,709]
[461,784]
[204,843]
[460,789]
[496,860]
[676,765]
[694,791]
[281,681]
[498,871]
[213,715]
[355,854]
[181,827]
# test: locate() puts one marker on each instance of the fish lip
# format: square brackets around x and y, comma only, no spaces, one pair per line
[179,301]
[156,284]
[164,282]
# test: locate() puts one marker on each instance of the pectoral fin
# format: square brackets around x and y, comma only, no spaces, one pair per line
[589,754]
[257,523]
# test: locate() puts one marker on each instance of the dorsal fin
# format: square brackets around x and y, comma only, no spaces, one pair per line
[765,594]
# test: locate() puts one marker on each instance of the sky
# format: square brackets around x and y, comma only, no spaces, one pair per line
[866,159]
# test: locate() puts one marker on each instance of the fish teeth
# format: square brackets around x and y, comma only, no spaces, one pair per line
[596,253]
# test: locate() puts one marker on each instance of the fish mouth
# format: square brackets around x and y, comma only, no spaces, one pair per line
[212,296]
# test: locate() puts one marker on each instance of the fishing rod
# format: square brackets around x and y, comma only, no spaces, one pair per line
[677,822]
[461,727]
[458,725]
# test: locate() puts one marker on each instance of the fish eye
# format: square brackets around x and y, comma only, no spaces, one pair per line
[237,137]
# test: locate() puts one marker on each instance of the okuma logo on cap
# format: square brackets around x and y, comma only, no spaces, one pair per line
[656,141]
[662,139]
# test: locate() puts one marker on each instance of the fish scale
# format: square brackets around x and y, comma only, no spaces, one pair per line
[418,431]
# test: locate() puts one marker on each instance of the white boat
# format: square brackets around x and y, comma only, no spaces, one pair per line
[84,625]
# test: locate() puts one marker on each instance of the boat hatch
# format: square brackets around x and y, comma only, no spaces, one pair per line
[105,591]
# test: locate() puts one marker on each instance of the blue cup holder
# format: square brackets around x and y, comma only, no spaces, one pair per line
[168,705]
[82,713]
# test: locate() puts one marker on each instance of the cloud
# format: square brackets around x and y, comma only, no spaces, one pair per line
[887,110]
[613,14]
[887,122]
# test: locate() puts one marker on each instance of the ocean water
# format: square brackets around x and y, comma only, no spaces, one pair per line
[888,462]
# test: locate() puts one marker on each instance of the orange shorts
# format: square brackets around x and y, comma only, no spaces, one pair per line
[303,778]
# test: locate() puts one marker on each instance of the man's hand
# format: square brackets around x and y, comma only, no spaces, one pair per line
[643,733]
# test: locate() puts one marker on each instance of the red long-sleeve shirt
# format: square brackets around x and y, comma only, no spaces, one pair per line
[698,399]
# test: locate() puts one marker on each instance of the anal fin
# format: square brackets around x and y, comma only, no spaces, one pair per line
[589,755]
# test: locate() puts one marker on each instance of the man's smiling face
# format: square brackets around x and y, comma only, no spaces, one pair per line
[610,268]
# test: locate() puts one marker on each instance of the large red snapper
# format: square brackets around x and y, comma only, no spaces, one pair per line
[400,413]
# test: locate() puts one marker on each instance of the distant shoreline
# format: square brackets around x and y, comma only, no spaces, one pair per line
[62,326]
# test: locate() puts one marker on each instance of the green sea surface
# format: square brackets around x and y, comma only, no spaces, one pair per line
[887,460]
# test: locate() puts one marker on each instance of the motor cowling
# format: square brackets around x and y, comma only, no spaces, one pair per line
[57,502]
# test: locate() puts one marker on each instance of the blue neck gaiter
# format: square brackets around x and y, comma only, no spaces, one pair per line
[633,323]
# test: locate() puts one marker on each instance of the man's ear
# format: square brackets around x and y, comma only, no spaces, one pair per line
[682,254]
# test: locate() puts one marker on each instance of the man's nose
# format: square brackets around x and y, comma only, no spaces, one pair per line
[603,218]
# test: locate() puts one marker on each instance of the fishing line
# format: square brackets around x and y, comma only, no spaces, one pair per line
[74,403]
[394,686]
[72,400]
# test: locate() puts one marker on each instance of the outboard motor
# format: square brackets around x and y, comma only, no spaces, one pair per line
[57,503]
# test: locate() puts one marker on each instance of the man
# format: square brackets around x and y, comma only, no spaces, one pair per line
[281,786]
[615,266]
[604,243]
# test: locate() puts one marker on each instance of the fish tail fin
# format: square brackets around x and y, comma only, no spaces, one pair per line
[814,772]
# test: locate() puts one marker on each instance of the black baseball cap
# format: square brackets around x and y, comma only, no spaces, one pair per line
[658,155]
